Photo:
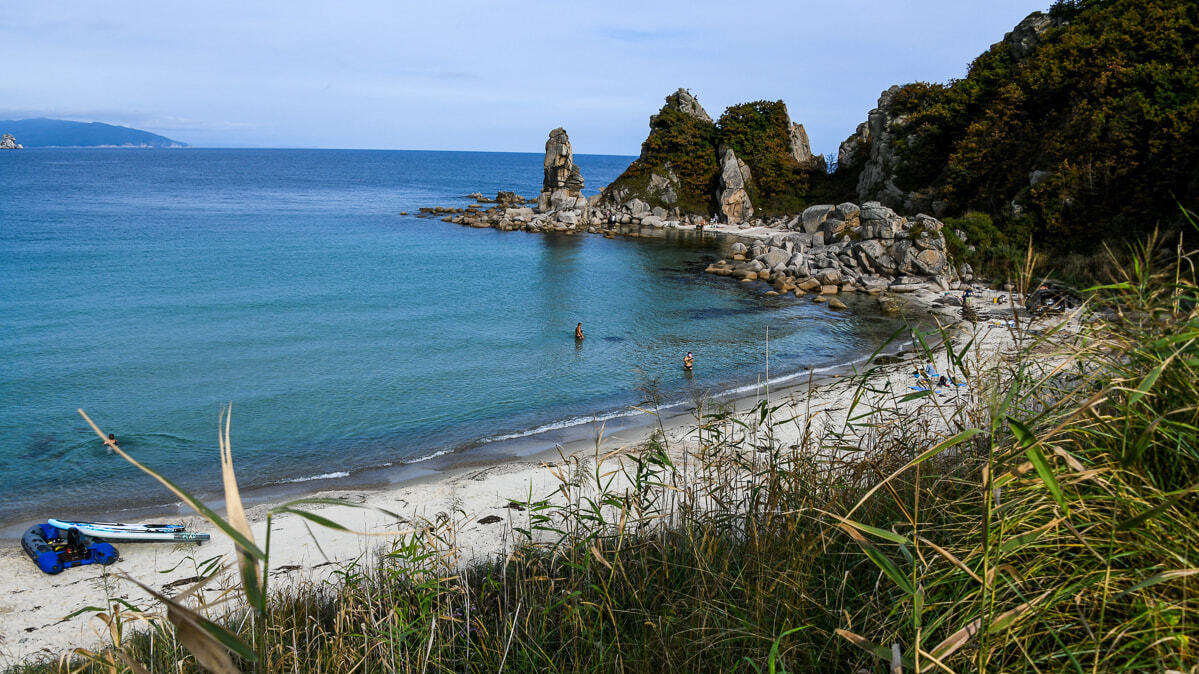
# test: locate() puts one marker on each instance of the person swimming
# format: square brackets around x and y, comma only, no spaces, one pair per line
[688,361]
[579,331]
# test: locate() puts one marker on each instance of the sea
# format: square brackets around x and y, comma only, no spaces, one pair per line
[152,288]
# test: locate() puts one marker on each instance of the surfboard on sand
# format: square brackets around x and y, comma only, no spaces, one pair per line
[117,531]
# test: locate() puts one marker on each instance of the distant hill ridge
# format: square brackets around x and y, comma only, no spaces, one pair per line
[44,132]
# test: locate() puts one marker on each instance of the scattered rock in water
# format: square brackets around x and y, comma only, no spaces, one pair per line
[835,303]
[820,299]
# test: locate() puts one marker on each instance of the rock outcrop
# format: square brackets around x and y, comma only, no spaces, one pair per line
[688,104]
[1026,36]
[562,184]
[876,179]
[801,149]
[7,142]
[733,195]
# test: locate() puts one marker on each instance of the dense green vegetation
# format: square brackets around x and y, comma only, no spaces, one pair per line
[1090,137]
[1042,521]
[759,134]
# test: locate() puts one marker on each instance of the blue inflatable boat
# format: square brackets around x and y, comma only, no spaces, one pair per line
[54,549]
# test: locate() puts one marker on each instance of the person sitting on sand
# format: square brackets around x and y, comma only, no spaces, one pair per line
[579,331]
[688,361]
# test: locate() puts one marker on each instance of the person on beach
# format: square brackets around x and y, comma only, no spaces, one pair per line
[688,361]
[579,331]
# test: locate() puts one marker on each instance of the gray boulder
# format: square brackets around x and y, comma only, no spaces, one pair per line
[775,257]
[814,216]
[828,276]
[875,257]
[930,262]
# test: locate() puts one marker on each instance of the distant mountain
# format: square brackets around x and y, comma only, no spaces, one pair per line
[61,133]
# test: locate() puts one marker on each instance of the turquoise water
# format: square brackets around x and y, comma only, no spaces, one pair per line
[150,287]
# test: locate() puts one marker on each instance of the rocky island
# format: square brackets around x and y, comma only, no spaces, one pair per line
[7,142]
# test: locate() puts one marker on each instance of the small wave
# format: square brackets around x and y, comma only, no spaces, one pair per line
[558,425]
[323,476]
[424,458]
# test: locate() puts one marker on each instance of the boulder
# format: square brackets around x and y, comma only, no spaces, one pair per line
[874,284]
[832,229]
[875,257]
[814,216]
[522,214]
[828,290]
[775,257]
[738,248]
[638,208]
[930,262]
[835,303]
[828,276]
[651,221]
[819,299]
[808,284]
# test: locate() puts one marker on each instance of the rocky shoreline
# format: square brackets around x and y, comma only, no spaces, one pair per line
[824,251]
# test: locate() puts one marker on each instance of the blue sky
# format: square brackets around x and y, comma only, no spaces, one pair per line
[473,75]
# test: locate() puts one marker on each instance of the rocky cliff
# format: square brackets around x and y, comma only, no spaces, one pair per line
[753,159]
[1079,126]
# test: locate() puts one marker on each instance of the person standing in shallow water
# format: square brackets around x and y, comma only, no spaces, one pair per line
[579,331]
[688,362]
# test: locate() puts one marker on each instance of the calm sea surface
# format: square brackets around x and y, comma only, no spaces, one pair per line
[150,287]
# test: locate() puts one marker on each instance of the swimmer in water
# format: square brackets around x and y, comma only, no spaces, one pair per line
[579,331]
[688,361]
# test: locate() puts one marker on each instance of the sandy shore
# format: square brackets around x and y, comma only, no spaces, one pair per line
[34,607]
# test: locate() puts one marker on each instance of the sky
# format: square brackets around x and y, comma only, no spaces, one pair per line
[492,75]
